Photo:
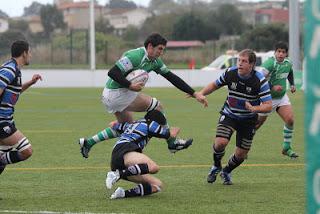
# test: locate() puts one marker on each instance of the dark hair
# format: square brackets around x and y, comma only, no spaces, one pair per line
[251,55]
[155,39]
[18,47]
[156,116]
[281,45]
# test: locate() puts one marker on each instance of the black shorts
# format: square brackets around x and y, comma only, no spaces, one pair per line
[119,151]
[7,129]
[245,129]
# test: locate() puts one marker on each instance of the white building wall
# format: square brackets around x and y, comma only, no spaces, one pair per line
[137,17]
[87,78]
[4,25]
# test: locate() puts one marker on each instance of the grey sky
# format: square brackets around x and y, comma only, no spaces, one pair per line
[15,7]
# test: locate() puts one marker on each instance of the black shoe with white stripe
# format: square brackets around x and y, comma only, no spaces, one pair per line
[84,147]
[179,144]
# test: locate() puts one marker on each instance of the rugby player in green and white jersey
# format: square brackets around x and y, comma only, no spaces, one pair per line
[278,69]
[122,97]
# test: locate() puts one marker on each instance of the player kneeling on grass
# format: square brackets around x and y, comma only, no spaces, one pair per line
[14,146]
[249,94]
[129,163]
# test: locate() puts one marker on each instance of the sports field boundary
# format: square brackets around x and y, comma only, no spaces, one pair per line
[164,166]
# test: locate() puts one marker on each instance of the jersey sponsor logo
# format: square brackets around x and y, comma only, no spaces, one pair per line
[233,85]
[222,118]
[19,80]
[282,75]
[133,170]
[125,63]
[7,129]
[14,99]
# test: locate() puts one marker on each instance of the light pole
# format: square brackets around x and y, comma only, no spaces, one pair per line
[92,37]
[294,33]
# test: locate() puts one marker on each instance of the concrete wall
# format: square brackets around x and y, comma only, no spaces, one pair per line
[87,78]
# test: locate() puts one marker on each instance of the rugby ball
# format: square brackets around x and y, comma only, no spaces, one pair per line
[138,75]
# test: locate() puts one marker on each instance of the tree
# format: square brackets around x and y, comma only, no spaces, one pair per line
[229,19]
[33,9]
[3,14]
[51,19]
[19,25]
[7,38]
[103,25]
[131,34]
[263,37]
[162,23]
[123,4]
[212,30]
[189,27]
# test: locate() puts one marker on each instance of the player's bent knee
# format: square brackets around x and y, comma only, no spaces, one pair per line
[24,148]
[27,153]
[221,143]
[160,107]
[157,186]
[153,168]
[290,121]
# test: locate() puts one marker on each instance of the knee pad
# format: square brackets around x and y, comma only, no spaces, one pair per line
[153,104]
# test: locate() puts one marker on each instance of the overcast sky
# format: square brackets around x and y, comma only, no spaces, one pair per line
[15,7]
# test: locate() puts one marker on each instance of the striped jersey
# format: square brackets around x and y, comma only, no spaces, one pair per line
[10,83]
[253,88]
[140,132]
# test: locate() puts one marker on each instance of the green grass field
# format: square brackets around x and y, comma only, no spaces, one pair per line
[58,179]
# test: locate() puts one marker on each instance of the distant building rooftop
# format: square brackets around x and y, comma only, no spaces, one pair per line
[69,5]
[272,15]
[184,44]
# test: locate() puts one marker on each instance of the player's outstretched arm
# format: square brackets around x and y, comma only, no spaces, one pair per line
[201,98]
[35,79]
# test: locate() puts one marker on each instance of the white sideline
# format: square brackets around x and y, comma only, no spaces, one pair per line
[50,212]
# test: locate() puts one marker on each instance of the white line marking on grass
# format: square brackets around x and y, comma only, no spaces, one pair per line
[47,131]
[51,212]
[167,166]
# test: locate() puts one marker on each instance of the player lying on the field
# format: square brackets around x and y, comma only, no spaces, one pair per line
[129,163]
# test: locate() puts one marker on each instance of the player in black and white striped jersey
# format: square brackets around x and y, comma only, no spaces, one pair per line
[249,94]
[129,163]
[14,146]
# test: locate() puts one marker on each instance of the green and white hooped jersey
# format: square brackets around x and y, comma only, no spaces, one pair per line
[278,73]
[137,59]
